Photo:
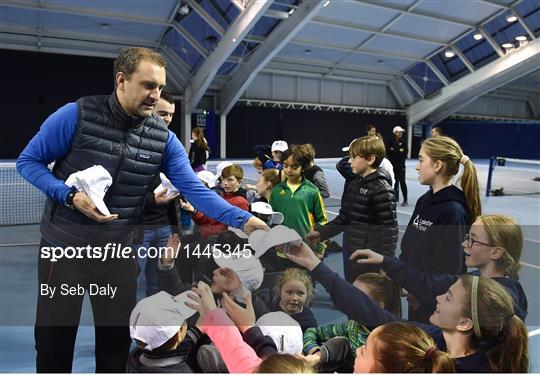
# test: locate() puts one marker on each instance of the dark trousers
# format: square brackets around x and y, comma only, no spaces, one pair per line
[400,181]
[57,318]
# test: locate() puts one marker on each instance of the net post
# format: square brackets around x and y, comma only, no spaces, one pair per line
[492,163]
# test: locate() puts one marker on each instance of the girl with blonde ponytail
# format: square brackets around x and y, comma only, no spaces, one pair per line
[448,151]
[441,216]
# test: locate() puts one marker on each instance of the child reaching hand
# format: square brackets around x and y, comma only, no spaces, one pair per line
[377,286]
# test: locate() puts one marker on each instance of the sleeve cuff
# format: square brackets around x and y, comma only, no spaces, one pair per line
[165,267]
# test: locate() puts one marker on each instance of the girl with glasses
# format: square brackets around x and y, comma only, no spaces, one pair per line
[493,246]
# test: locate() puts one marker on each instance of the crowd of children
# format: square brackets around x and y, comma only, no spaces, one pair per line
[250,312]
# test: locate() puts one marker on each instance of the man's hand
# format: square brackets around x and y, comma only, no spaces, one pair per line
[228,282]
[162,199]
[366,256]
[244,319]
[171,250]
[303,256]
[253,224]
[84,204]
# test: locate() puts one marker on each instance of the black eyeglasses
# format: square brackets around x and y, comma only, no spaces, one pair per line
[471,241]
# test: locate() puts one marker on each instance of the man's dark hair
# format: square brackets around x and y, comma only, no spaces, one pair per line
[129,59]
[438,129]
[166,96]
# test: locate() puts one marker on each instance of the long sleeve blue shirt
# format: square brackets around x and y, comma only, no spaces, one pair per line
[54,140]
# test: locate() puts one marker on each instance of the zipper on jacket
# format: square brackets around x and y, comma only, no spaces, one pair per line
[122,157]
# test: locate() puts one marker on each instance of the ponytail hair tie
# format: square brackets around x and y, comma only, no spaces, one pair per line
[464,159]
[429,353]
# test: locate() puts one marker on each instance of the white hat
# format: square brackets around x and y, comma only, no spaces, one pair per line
[159,317]
[261,240]
[248,268]
[284,330]
[94,181]
[265,209]
[208,177]
[398,129]
[220,167]
[280,146]
[165,185]
[347,148]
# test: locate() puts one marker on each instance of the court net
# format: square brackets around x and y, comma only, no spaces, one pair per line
[22,204]
[507,176]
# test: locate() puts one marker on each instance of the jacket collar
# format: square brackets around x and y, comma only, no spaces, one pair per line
[121,117]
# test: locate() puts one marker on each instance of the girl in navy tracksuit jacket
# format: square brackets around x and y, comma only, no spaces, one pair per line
[441,216]
[492,340]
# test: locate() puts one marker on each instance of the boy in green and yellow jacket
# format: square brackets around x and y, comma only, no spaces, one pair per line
[298,199]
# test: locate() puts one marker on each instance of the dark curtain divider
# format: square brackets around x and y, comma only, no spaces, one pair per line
[481,139]
[211,134]
[39,84]
[327,131]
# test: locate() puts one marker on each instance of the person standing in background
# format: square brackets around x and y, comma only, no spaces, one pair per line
[397,153]
[436,131]
[160,213]
[198,153]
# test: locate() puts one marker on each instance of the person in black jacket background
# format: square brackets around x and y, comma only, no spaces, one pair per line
[397,153]
[198,150]
[368,208]
[160,213]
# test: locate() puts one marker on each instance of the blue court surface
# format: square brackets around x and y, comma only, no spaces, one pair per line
[18,263]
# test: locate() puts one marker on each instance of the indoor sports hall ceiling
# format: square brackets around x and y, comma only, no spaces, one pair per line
[426,58]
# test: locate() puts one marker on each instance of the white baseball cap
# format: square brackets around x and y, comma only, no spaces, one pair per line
[220,167]
[159,317]
[398,129]
[280,146]
[208,177]
[248,268]
[261,240]
[284,330]
[347,148]
[265,209]
[94,181]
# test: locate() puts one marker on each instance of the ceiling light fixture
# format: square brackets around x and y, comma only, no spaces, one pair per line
[521,38]
[508,45]
[326,4]
[449,54]
[183,10]
[478,36]
[511,18]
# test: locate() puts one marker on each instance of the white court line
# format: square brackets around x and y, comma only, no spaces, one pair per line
[530,265]
[534,333]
